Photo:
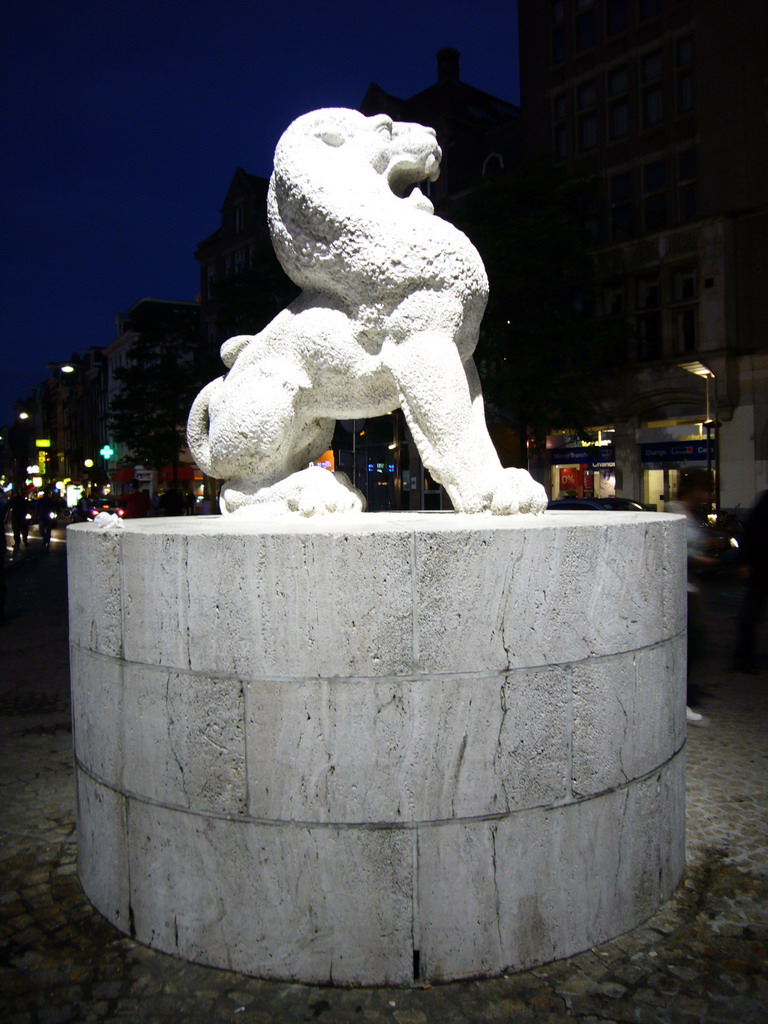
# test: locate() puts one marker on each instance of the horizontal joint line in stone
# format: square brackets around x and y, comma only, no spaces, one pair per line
[341,826]
[413,676]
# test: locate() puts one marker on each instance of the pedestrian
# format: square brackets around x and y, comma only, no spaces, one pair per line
[20,513]
[136,503]
[694,494]
[44,511]
[170,503]
[191,502]
[2,582]
[753,558]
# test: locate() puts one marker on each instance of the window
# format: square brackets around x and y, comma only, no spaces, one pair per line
[613,300]
[684,52]
[647,292]
[684,330]
[655,195]
[618,81]
[240,261]
[685,284]
[558,45]
[560,142]
[649,336]
[651,66]
[647,8]
[648,321]
[684,74]
[615,17]
[493,164]
[618,118]
[617,87]
[684,92]
[586,100]
[654,176]
[210,280]
[587,95]
[558,11]
[686,185]
[584,31]
[621,206]
[653,105]
[239,218]
[588,131]
[560,127]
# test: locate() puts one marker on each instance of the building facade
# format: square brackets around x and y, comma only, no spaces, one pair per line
[662,103]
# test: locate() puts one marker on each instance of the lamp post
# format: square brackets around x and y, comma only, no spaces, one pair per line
[700,370]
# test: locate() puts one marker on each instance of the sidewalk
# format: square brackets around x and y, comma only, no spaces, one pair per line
[702,958]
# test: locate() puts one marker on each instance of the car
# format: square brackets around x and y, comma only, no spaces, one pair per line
[599,504]
[99,505]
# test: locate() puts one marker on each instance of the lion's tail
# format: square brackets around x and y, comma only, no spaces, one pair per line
[198,426]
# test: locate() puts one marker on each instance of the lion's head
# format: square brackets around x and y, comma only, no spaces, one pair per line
[345,207]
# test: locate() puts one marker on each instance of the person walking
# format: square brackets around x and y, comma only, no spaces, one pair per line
[45,513]
[136,503]
[694,494]
[753,556]
[20,514]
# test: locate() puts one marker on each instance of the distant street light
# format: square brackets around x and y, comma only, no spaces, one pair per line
[67,368]
[701,370]
[23,415]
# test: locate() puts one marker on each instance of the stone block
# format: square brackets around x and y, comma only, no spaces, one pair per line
[97,711]
[628,715]
[95,610]
[291,901]
[183,736]
[103,849]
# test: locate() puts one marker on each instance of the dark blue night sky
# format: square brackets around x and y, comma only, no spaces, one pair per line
[124,120]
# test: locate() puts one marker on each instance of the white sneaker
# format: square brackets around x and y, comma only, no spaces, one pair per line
[693,717]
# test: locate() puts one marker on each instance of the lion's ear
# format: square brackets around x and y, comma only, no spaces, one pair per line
[331,137]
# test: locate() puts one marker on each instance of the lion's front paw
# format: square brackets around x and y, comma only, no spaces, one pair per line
[317,492]
[517,491]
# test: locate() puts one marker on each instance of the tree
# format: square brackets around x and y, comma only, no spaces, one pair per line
[541,344]
[168,364]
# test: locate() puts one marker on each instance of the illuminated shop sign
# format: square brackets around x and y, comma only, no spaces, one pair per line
[595,456]
[677,451]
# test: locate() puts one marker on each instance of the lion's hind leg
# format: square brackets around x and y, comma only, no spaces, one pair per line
[292,485]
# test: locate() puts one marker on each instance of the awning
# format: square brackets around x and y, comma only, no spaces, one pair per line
[184,472]
[122,475]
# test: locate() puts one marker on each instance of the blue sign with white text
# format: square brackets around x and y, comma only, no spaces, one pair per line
[677,451]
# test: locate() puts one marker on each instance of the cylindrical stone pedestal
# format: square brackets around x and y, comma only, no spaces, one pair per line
[373,749]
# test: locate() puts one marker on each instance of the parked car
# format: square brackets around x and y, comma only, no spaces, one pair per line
[600,504]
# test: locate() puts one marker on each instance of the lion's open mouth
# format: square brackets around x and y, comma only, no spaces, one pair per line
[404,181]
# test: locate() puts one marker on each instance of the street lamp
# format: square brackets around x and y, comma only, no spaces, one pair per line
[701,370]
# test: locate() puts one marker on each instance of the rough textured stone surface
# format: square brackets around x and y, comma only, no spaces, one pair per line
[391,303]
[703,957]
[294,766]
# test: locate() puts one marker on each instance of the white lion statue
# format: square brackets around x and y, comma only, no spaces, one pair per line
[388,317]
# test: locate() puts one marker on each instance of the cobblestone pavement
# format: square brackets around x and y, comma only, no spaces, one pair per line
[702,958]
